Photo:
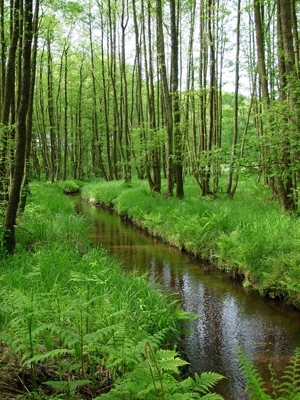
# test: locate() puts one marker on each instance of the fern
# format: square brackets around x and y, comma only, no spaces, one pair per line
[67,387]
[158,378]
[290,387]
[254,381]
[53,354]
[274,381]
[205,381]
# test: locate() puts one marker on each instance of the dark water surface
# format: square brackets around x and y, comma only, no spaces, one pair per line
[267,330]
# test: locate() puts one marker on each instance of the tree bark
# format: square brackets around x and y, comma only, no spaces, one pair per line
[8,96]
[178,142]
[166,99]
[19,161]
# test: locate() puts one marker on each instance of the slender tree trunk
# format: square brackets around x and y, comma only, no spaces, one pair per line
[29,120]
[19,161]
[52,127]
[66,110]
[287,182]
[7,101]
[124,95]
[106,100]
[178,142]
[98,139]
[232,167]
[166,98]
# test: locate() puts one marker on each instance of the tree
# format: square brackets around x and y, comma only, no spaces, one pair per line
[21,130]
[232,166]
[178,142]
[166,98]
[8,91]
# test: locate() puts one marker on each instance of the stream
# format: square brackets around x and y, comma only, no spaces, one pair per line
[232,316]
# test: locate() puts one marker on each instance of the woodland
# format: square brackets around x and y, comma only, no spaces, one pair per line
[171,94]
[153,89]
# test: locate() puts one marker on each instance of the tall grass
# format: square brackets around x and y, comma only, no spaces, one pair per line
[247,235]
[68,312]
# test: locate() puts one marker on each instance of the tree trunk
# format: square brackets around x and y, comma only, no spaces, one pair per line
[98,139]
[230,191]
[52,127]
[8,96]
[178,142]
[166,99]
[19,161]
[29,120]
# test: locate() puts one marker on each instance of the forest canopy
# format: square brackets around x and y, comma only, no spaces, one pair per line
[154,89]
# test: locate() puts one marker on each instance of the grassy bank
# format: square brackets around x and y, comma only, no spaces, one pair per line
[72,324]
[247,236]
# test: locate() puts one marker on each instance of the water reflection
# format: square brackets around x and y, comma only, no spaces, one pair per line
[266,330]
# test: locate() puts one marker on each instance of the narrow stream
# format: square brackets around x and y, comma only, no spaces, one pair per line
[267,330]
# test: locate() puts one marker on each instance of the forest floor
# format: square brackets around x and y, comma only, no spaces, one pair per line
[48,278]
[66,316]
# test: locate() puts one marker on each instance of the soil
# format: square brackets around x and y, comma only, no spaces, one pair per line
[11,385]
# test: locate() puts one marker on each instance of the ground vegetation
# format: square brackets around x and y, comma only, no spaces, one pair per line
[74,325]
[139,92]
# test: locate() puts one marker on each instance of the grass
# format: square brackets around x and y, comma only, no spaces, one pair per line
[71,321]
[247,236]
[74,326]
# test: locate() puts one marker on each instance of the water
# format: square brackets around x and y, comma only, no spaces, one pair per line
[232,316]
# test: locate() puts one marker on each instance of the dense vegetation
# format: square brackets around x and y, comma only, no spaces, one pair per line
[73,325]
[154,89]
[184,95]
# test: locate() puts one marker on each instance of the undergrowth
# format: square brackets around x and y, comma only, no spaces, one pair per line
[73,324]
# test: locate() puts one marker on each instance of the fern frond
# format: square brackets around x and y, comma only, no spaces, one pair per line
[169,361]
[290,386]
[254,382]
[67,386]
[274,381]
[53,354]
[205,381]
[100,336]
[156,339]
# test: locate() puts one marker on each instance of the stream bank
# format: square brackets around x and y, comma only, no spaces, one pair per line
[249,237]
[232,316]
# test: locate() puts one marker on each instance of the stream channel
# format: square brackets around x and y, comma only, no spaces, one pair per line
[232,316]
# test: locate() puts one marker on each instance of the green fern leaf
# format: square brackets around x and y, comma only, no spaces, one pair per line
[205,381]
[67,386]
[290,387]
[168,360]
[274,381]
[53,354]
[254,381]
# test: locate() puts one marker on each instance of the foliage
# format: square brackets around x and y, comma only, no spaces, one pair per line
[70,186]
[157,378]
[68,312]
[285,388]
